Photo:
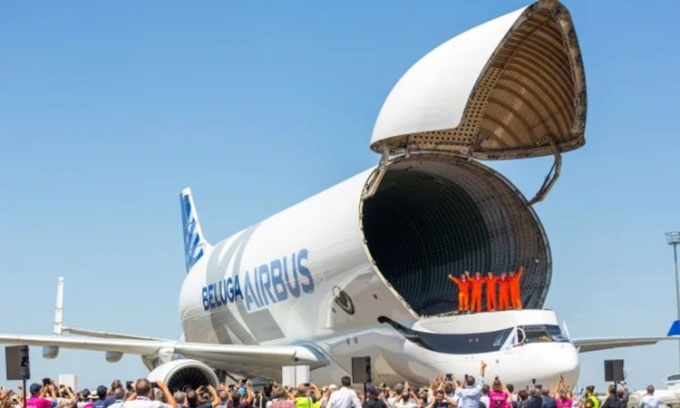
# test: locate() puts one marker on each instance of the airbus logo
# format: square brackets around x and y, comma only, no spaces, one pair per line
[192,249]
[263,285]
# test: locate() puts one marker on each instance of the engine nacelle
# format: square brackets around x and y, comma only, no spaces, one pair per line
[113,356]
[50,351]
[179,373]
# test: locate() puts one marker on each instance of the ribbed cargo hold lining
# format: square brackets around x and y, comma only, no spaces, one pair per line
[440,214]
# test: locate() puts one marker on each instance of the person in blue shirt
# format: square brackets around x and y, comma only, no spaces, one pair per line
[469,396]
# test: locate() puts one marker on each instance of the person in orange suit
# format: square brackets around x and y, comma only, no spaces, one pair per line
[463,291]
[503,292]
[515,291]
[491,281]
[476,284]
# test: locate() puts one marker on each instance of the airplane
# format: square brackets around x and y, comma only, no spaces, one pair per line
[360,269]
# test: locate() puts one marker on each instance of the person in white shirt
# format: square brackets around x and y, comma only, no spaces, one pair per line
[650,400]
[141,398]
[345,397]
[472,392]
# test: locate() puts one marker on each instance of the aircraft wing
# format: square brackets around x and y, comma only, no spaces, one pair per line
[266,356]
[594,344]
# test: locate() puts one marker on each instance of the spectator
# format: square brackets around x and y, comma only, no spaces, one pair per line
[407,399]
[650,400]
[326,394]
[84,401]
[440,400]
[280,399]
[260,400]
[243,396]
[307,396]
[547,399]
[623,395]
[141,398]
[562,392]
[534,398]
[512,395]
[180,399]
[103,400]
[498,395]
[591,400]
[225,399]
[472,392]
[345,397]
[37,398]
[396,394]
[118,395]
[484,399]
[374,398]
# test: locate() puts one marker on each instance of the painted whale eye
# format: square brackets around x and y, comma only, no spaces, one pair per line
[343,300]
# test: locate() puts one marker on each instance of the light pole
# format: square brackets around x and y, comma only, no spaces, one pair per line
[673,238]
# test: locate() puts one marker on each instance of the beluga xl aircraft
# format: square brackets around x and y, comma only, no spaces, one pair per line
[361,268]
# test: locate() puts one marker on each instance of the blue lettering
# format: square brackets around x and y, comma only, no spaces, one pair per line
[230,289]
[266,277]
[304,271]
[218,295]
[206,302]
[258,287]
[237,289]
[266,283]
[211,295]
[294,290]
[277,280]
[250,295]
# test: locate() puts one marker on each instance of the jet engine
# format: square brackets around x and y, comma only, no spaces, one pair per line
[177,374]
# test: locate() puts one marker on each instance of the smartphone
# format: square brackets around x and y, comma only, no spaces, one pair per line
[306,384]
[449,377]
[154,384]
[533,381]
[128,385]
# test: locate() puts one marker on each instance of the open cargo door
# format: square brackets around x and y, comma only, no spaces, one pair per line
[513,87]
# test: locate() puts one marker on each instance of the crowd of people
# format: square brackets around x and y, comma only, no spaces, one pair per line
[506,286]
[444,391]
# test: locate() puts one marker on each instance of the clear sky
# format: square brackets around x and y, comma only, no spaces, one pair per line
[108,109]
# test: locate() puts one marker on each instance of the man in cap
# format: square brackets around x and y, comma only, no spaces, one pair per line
[37,399]
[372,398]
[104,400]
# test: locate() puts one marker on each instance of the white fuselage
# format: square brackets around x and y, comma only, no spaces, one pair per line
[305,276]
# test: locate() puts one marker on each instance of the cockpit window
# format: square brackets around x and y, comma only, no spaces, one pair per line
[543,334]
[483,342]
[468,343]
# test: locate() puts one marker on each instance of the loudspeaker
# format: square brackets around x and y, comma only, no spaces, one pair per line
[613,370]
[16,361]
[361,370]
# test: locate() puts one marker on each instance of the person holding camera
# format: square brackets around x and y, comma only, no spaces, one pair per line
[470,395]
[440,400]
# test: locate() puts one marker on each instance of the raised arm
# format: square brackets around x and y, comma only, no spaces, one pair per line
[167,394]
[315,390]
[249,392]
[215,398]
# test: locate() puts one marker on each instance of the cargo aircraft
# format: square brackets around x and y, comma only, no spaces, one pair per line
[361,268]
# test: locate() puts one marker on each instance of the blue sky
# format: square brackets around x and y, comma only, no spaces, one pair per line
[108,109]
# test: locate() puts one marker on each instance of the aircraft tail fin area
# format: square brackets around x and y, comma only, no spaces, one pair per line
[195,243]
[675,329]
